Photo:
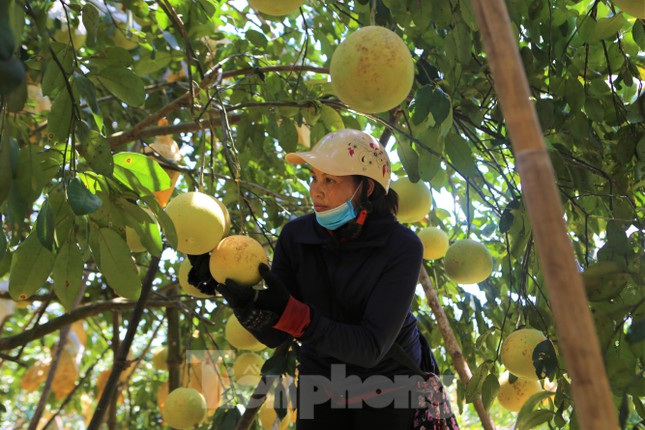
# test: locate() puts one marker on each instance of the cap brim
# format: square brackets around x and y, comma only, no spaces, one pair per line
[318,161]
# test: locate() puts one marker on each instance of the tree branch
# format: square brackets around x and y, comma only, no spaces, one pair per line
[117,305]
[214,75]
[121,358]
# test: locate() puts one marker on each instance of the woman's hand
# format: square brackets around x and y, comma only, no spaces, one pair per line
[200,274]
[273,306]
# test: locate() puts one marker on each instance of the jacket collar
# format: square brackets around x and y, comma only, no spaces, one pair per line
[376,232]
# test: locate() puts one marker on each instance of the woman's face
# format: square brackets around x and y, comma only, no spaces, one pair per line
[328,191]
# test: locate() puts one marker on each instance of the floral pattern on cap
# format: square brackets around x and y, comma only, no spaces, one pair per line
[370,154]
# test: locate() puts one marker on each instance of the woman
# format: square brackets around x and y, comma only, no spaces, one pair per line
[342,282]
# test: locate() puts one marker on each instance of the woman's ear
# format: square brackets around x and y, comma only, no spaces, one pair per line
[370,187]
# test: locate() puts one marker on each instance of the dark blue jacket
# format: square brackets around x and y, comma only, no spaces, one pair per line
[362,305]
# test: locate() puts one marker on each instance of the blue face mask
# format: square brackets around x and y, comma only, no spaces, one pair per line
[337,217]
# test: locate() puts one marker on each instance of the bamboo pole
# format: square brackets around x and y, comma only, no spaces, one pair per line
[452,346]
[573,322]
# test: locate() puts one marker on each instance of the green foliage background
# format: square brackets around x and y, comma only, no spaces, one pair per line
[231,84]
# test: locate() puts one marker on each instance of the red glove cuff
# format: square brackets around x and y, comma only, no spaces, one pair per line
[295,318]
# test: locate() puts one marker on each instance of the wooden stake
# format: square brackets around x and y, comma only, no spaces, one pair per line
[452,345]
[573,322]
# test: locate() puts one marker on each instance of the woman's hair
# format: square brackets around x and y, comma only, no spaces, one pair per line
[378,200]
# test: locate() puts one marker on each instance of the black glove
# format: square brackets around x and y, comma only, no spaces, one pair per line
[276,296]
[237,296]
[200,274]
[256,309]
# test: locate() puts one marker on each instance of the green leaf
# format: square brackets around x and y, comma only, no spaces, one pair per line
[623,411]
[91,21]
[506,220]
[604,28]
[45,225]
[430,101]
[276,365]
[3,245]
[148,65]
[123,84]
[116,265]
[144,225]
[490,388]
[86,91]
[420,104]
[429,162]
[476,381]
[533,419]
[6,170]
[287,135]
[139,173]
[638,33]
[461,156]
[96,149]
[80,199]
[330,118]
[68,274]
[409,158]
[636,332]
[164,220]
[545,360]
[59,119]
[53,78]
[30,267]
[258,39]
[608,27]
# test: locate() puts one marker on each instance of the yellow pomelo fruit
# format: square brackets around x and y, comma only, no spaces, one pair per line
[184,408]
[237,257]
[162,395]
[415,200]
[513,395]
[207,381]
[632,7]
[247,368]
[267,415]
[227,216]
[276,7]
[517,352]
[435,242]
[372,70]
[160,358]
[468,261]
[187,287]
[199,222]
[240,337]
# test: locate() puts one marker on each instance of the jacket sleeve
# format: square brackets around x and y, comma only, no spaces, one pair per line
[365,344]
